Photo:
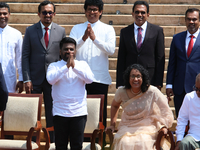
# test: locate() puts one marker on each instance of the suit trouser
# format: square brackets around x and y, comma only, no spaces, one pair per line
[99,88]
[45,88]
[69,127]
[189,143]
[178,100]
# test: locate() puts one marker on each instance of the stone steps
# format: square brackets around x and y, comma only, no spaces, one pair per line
[162,20]
[164,9]
[113,1]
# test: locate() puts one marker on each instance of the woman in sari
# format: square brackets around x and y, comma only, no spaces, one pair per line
[145,112]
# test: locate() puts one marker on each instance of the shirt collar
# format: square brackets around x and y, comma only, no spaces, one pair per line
[195,34]
[42,26]
[3,29]
[144,26]
[93,24]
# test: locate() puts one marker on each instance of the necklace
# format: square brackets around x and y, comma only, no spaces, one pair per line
[135,93]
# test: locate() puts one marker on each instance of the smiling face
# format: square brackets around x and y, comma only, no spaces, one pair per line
[140,14]
[4,16]
[92,14]
[66,50]
[47,18]
[135,80]
[192,21]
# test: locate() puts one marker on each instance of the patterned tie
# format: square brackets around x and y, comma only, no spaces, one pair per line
[46,37]
[139,38]
[190,46]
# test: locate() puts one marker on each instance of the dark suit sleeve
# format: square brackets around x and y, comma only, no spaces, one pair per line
[26,49]
[3,91]
[172,63]
[121,61]
[160,58]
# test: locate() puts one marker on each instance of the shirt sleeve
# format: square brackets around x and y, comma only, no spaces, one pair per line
[18,58]
[183,118]
[107,46]
[118,95]
[54,74]
[73,34]
[83,71]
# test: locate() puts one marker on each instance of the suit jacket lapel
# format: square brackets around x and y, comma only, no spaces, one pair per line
[40,35]
[196,45]
[52,35]
[132,37]
[182,45]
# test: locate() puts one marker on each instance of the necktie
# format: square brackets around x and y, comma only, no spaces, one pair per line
[46,37]
[139,38]
[190,46]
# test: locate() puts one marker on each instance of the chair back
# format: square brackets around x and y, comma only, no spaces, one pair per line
[95,112]
[23,111]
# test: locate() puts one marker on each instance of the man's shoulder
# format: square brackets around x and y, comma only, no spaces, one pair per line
[184,33]
[127,28]
[14,31]
[57,26]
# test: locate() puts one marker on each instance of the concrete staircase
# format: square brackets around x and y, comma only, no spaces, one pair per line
[166,13]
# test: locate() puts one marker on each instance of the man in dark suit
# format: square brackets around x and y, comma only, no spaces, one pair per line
[142,43]
[3,92]
[40,48]
[184,59]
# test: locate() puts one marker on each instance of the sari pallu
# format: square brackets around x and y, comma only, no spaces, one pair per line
[142,117]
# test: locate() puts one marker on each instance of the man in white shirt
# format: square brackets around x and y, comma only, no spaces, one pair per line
[95,42]
[189,111]
[10,51]
[184,60]
[68,78]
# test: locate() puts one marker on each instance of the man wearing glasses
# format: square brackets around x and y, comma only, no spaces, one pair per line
[40,48]
[142,43]
[95,42]
[189,111]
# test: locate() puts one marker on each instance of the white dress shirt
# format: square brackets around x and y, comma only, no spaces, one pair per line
[96,52]
[189,110]
[187,40]
[144,28]
[10,56]
[68,87]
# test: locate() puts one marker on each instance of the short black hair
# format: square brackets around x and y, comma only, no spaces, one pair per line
[67,40]
[98,3]
[44,3]
[3,4]
[145,77]
[192,10]
[141,3]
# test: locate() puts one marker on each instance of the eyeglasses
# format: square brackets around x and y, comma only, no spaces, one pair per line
[142,12]
[45,13]
[138,76]
[94,10]
[196,89]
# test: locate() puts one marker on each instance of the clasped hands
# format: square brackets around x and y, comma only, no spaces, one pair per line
[89,33]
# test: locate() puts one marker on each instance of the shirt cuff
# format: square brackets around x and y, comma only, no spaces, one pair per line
[27,81]
[169,86]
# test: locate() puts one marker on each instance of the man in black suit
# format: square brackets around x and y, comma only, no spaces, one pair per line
[40,48]
[3,92]
[142,43]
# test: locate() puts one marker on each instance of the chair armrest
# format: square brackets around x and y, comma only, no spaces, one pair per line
[30,134]
[111,137]
[159,137]
[47,137]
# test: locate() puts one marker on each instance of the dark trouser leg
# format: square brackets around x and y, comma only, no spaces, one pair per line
[61,128]
[77,126]
[178,99]
[98,88]
[45,87]
[48,102]
[188,143]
